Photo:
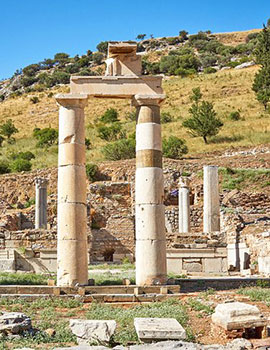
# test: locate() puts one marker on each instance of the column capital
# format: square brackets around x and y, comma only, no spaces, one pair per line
[184,181]
[72,100]
[41,182]
[148,100]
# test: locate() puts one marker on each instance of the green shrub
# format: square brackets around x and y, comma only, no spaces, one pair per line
[121,149]
[20,164]
[111,133]
[34,99]
[28,80]
[235,115]
[166,117]
[1,140]
[98,57]
[88,143]
[4,167]
[23,155]
[92,172]
[31,69]
[60,77]
[8,129]
[131,116]
[110,116]
[209,70]
[182,72]
[45,137]
[174,147]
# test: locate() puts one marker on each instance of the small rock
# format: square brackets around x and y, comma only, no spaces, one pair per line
[50,331]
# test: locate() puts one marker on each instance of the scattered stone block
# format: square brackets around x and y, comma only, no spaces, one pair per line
[51,283]
[14,323]
[234,316]
[168,345]
[83,347]
[149,329]
[87,331]
[126,282]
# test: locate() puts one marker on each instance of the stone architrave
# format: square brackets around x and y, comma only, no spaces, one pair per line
[41,203]
[184,205]
[211,206]
[72,261]
[149,193]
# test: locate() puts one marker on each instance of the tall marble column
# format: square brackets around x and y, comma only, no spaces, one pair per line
[72,261]
[41,203]
[151,267]
[211,209]
[184,205]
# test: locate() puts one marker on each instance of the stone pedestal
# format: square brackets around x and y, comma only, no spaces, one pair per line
[72,262]
[211,210]
[184,205]
[41,203]
[149,193]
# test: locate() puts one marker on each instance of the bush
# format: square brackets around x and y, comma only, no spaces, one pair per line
[31,69]
[34,99]
[60,77]
[111,133]
[88,143]
[20,164]
[131,116]
[209,70]
[110,116]
[4,167]
[121,149]
[200,36]
[182,72]
[174,147]
[23,155]
[28,80]
[171,63]
[92,172]
[98,57]
[1,140]
[235,115]
[45,137]
[166,117]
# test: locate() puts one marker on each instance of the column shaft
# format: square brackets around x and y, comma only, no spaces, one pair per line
[41,203]
[72,256]
[184,207]
[211,210]
[149,195]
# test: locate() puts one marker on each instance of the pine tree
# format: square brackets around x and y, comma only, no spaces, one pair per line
[261,84]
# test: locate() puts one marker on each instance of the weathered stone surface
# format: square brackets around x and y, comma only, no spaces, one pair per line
[14,322]
[168,345]
[82,347]
[237,316]
[149,329]
[92,330]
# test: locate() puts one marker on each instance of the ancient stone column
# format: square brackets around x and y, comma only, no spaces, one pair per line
[211,210]
[151,267]
[184,205]
[41,203]
[72,262]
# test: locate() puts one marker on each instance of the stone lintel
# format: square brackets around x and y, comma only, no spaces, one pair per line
[122,48]
[148,100]
[116,86]
[72,100]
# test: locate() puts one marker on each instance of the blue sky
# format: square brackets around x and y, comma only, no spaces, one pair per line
[32,30]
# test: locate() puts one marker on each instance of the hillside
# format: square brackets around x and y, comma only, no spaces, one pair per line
[229,90]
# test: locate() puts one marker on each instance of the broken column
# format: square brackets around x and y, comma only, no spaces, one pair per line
[184,205]
[41,203]
[211,211]
[72,262]
[149,193]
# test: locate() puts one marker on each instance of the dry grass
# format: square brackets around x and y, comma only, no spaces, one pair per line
[234,38]
[229,90]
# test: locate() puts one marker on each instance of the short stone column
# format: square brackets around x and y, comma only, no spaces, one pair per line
[184,205]
[41,203]
[211,210]
[151,266]
[72,261]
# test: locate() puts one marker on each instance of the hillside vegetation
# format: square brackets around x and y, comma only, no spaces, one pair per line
[229,90]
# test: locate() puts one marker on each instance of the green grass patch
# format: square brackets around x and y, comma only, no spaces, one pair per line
[239,178]
[7,278]
[197,305]
[257,293]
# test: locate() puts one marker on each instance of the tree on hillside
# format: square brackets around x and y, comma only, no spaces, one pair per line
[203,121]
[103,46]
[183,34]
[140,36]
[8,129]
[261,84]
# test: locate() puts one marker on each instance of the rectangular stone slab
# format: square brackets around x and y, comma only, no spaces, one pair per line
[149,329]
